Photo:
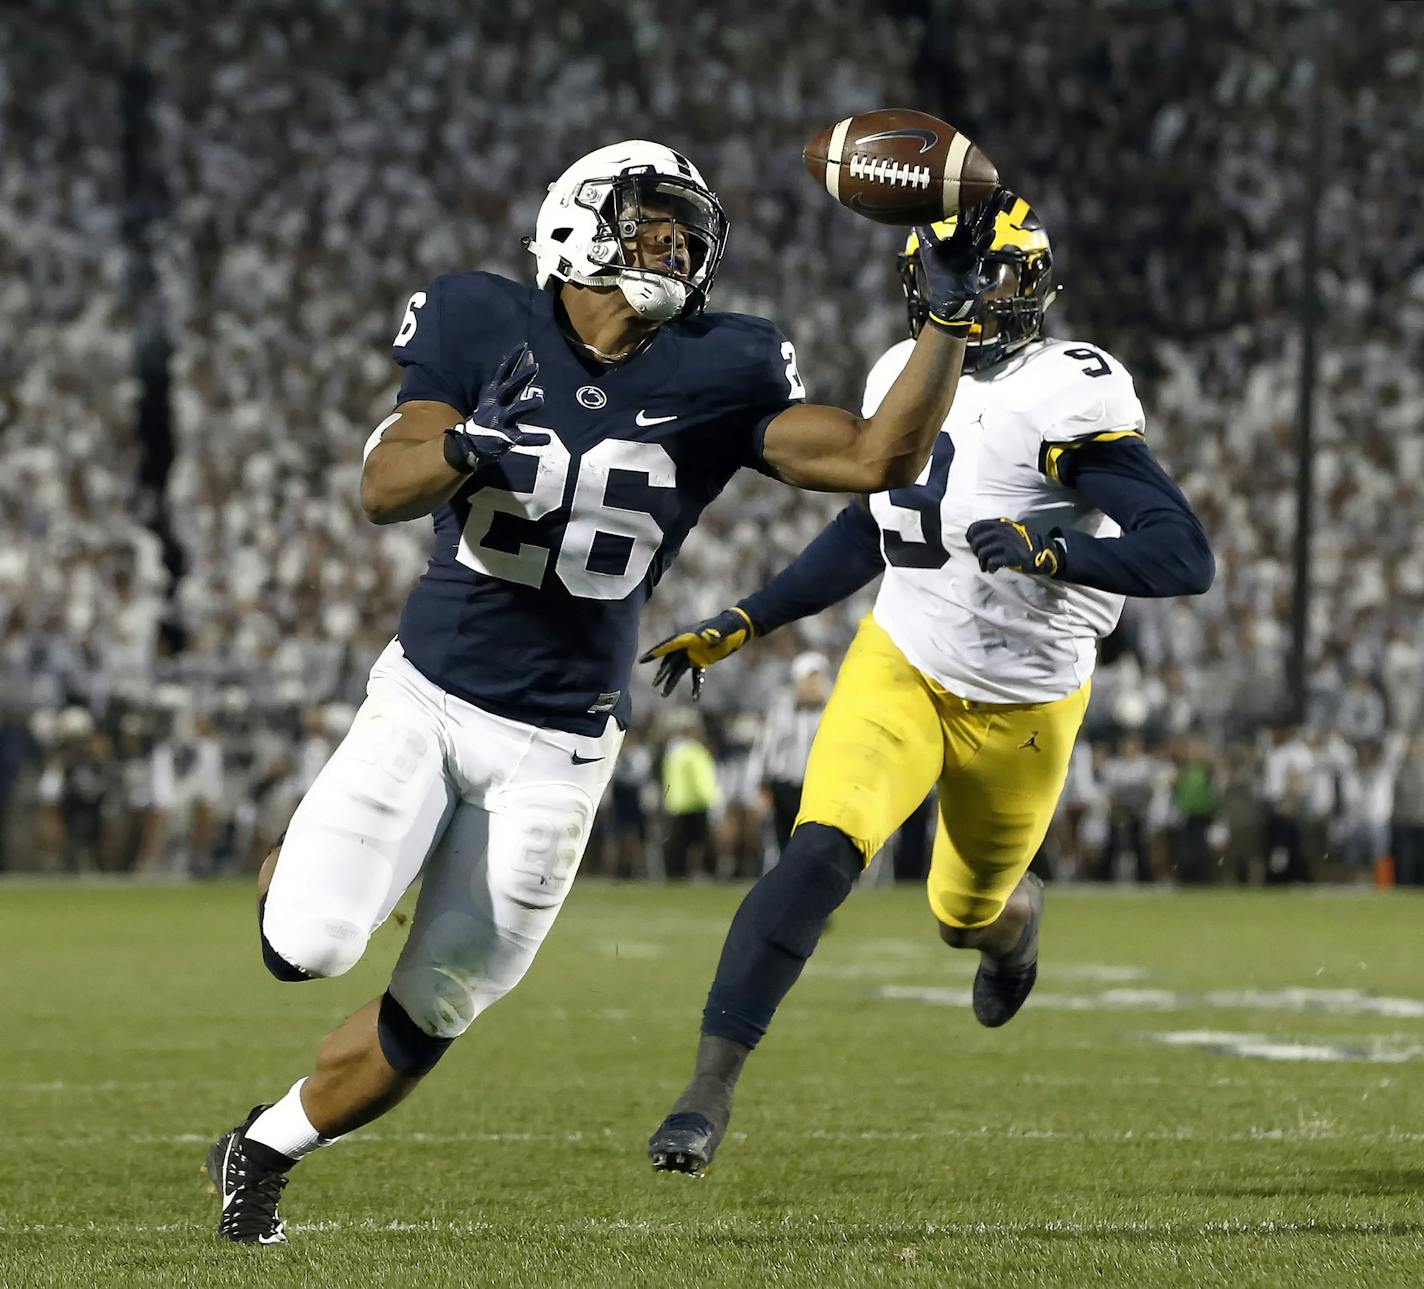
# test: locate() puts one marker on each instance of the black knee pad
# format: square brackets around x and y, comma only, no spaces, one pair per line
[821,866]
[408,1048]
[271,959]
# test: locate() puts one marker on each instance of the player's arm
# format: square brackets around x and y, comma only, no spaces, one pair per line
[406,474]
[1163,550]
[829,449]
[840,560]
[844,557]
[421,454]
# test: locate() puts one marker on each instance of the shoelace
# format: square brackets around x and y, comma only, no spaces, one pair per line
[253,1210]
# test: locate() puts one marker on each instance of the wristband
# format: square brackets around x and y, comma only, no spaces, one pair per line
[959,330]
[457,453]
[752,631]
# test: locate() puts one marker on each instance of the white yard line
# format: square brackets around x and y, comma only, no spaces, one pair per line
[801,1225]
[1373,1050]
[1335,1002]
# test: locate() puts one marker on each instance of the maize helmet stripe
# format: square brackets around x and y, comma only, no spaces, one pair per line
[1008,232]
[953,168]
[1020,243]
[834,153]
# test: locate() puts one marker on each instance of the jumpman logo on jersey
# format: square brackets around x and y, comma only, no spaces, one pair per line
[1031,741]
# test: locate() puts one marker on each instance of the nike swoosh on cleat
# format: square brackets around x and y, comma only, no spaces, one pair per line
[644,419]
[583,760]
[227,1196]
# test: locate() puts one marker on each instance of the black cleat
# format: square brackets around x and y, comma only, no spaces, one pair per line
[684,1143]
[249,1191]
[1000,989]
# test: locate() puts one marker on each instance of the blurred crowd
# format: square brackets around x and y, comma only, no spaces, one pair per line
[186,622]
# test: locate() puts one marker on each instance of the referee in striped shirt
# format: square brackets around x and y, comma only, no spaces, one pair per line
[785,741]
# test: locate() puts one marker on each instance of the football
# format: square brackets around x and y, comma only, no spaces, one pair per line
[899,166]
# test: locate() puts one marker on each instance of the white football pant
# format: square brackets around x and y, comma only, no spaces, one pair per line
[492,813]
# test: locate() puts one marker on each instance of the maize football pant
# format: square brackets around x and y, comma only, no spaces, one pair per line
[889,734]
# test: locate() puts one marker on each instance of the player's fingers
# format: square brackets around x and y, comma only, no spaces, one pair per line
[986,214]
[526,369]
[531,403]
[664,647]
[508,363]
[672,671]
[514,391]
[991,552]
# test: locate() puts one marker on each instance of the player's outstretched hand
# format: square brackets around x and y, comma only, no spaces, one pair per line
[954,265]
[698,648]
[1005,543]
[494,428]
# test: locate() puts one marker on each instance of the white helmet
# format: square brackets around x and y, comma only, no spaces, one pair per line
[594,209]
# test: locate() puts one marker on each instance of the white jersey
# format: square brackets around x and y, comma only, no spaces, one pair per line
[1001,637]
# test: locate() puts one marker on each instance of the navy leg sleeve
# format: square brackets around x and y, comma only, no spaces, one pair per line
[408,1049]
[776,929]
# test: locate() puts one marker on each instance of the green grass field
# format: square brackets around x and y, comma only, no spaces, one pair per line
[1207,1089]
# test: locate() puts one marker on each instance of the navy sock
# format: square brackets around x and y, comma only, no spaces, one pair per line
[776,930]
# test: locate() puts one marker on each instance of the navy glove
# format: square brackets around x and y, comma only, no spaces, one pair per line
[494,428]
[698,648]
[954,265]
[1003,543]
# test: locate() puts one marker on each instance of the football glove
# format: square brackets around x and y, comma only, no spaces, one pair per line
[1004,543]
[954,265]
[494,428]
[698,648]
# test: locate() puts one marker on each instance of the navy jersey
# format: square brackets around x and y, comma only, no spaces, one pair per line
[529,606]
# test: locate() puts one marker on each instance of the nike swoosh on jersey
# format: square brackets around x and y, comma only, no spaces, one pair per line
[583,760]
[644,419]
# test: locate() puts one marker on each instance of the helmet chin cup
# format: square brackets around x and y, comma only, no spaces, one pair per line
[653,297]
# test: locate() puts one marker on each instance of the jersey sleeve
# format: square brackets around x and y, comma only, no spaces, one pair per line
[844,557]
[429,344]
[1163,549]
[886,371]
[1096,403]
[772,384]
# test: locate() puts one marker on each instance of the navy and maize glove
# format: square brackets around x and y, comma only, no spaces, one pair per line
[954,266]
[494,428]
[698,648]
[1005,543]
